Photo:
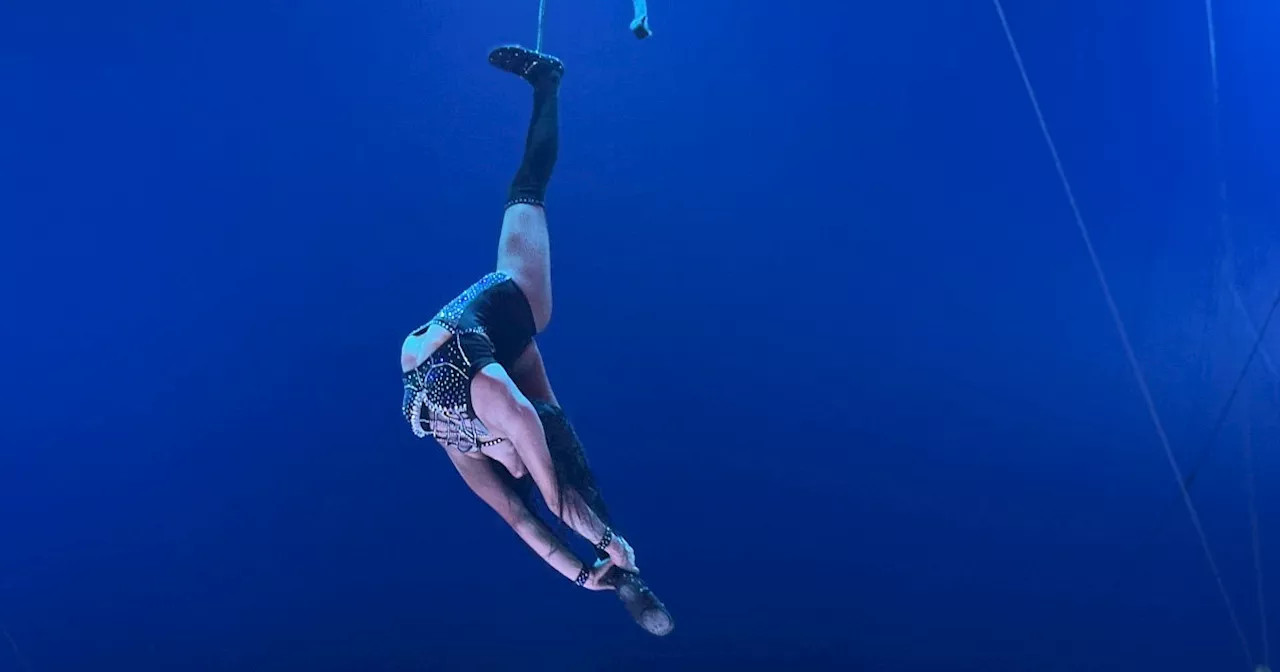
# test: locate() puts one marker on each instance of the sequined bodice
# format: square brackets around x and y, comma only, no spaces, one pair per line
[451,314]
[438,401]
[437,396]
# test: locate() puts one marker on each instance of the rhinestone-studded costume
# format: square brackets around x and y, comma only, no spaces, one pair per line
[491,322]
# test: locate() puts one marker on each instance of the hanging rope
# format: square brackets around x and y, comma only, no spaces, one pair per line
[542,21]
[1122,330]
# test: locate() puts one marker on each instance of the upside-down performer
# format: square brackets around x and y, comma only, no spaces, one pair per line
[474,379]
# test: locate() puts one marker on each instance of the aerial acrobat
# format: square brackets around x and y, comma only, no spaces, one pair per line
[474,379]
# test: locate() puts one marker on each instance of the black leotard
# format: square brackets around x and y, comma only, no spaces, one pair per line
[490,322]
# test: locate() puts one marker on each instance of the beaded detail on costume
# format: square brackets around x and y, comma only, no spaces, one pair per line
[437,393]
[527,200]
[451,314]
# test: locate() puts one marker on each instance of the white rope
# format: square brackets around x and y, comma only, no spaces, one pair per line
[542,20]
[1123,331]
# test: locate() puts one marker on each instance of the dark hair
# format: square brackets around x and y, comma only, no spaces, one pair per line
[573,474]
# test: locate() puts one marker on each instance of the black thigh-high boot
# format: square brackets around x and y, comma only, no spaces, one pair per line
[542,144]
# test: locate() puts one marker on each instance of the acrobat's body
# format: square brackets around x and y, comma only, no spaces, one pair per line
[475,380]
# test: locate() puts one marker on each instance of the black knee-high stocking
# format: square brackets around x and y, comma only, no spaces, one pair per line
[541,145]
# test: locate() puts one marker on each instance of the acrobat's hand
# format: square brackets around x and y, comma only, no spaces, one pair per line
[596,580]
[621,553]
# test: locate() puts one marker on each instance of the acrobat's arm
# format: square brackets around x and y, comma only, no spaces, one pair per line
[504,409]
[479,476]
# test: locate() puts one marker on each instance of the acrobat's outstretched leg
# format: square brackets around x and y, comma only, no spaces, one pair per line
[524,248]
[533,66]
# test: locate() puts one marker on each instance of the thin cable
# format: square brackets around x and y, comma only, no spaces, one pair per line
[22,661]
[542,20]
[1123,332]
[1224,219]
[1225,222]
[1219,423]
[1257,544]
[1253,329]
[1235,391]
[1217,106]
